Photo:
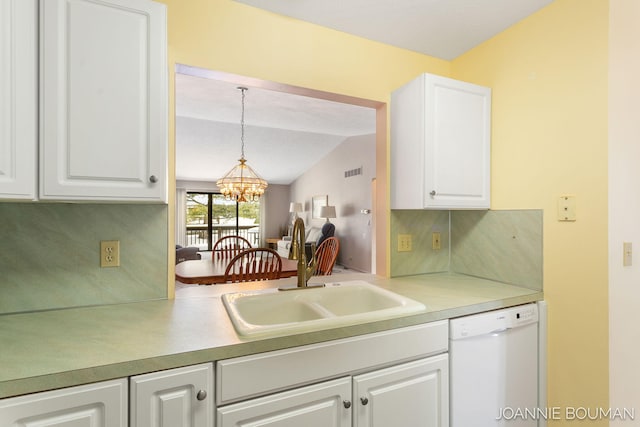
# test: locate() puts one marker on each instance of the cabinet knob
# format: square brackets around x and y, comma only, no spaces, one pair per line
[433,193]
[202,395]
[153,179]
[347,404]
[364,400]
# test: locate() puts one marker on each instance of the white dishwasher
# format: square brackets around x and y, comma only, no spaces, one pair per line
[494,365]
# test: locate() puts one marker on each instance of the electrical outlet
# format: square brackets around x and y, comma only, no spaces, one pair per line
[110,253]
[435,241]
[404,243]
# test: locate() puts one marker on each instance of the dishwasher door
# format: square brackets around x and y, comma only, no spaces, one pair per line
[494,368]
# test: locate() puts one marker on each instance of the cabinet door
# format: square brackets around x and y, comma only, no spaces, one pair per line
[181,397]
[457,144]
[414,394]
[326,404]
[18,98]
[103,100]
[94,405]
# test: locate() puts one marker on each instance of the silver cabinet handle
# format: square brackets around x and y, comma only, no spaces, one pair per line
[153,179]
[202,395]
[433,193]
[347,404]
[364,400]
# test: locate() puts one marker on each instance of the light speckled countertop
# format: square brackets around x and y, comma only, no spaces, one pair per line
[61,348]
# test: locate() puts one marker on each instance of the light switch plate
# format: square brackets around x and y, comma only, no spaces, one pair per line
[404,243]
[627,254]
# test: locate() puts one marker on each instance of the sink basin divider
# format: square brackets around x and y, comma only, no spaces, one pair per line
[319,308]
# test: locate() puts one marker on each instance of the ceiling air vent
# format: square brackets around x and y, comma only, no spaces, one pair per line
[353,172]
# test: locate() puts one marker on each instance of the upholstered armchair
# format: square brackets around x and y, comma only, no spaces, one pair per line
[313,235]
[328,230]
[184,254]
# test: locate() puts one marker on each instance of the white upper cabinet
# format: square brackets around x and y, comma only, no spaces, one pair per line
[103,100]
[440,145]
[18,98]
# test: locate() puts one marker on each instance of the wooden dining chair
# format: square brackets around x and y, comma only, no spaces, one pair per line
[229,246]
[254,264]
[326,256]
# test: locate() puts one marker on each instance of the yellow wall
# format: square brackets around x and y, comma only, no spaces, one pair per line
[223,35]
[549,125]
[548,75]
[227,36]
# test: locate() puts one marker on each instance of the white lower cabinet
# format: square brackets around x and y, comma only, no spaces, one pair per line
[392,378]
[181,397]
[327,404]
[414,394]
[94,405]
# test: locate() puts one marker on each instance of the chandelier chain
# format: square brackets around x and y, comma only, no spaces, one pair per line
[243,89]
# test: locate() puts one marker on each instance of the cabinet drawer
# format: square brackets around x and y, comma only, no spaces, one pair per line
[258,374]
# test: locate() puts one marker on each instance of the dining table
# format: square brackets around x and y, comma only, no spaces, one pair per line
[211,272]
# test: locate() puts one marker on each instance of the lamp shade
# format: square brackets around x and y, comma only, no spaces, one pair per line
[328,212]
[295,207]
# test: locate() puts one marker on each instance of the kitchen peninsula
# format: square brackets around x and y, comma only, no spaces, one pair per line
[61,348]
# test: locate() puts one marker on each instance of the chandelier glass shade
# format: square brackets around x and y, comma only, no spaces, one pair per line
[241,183]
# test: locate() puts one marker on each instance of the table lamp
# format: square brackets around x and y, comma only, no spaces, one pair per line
[328,212]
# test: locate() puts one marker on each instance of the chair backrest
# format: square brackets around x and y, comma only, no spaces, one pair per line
[326,256]
[254,264]
[229,246]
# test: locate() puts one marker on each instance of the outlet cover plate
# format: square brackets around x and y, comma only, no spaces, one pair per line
[110,253]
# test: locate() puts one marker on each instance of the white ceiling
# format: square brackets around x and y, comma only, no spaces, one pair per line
[286,134]
[441,28]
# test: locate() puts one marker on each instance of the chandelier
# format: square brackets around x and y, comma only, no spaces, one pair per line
[241,183]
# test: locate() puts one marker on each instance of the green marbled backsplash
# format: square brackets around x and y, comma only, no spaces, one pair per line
[505,246]
[422,259]
[49,255]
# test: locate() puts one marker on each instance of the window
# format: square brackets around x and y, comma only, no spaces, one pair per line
[210,216]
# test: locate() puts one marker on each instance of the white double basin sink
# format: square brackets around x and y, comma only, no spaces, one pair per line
[270,312]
